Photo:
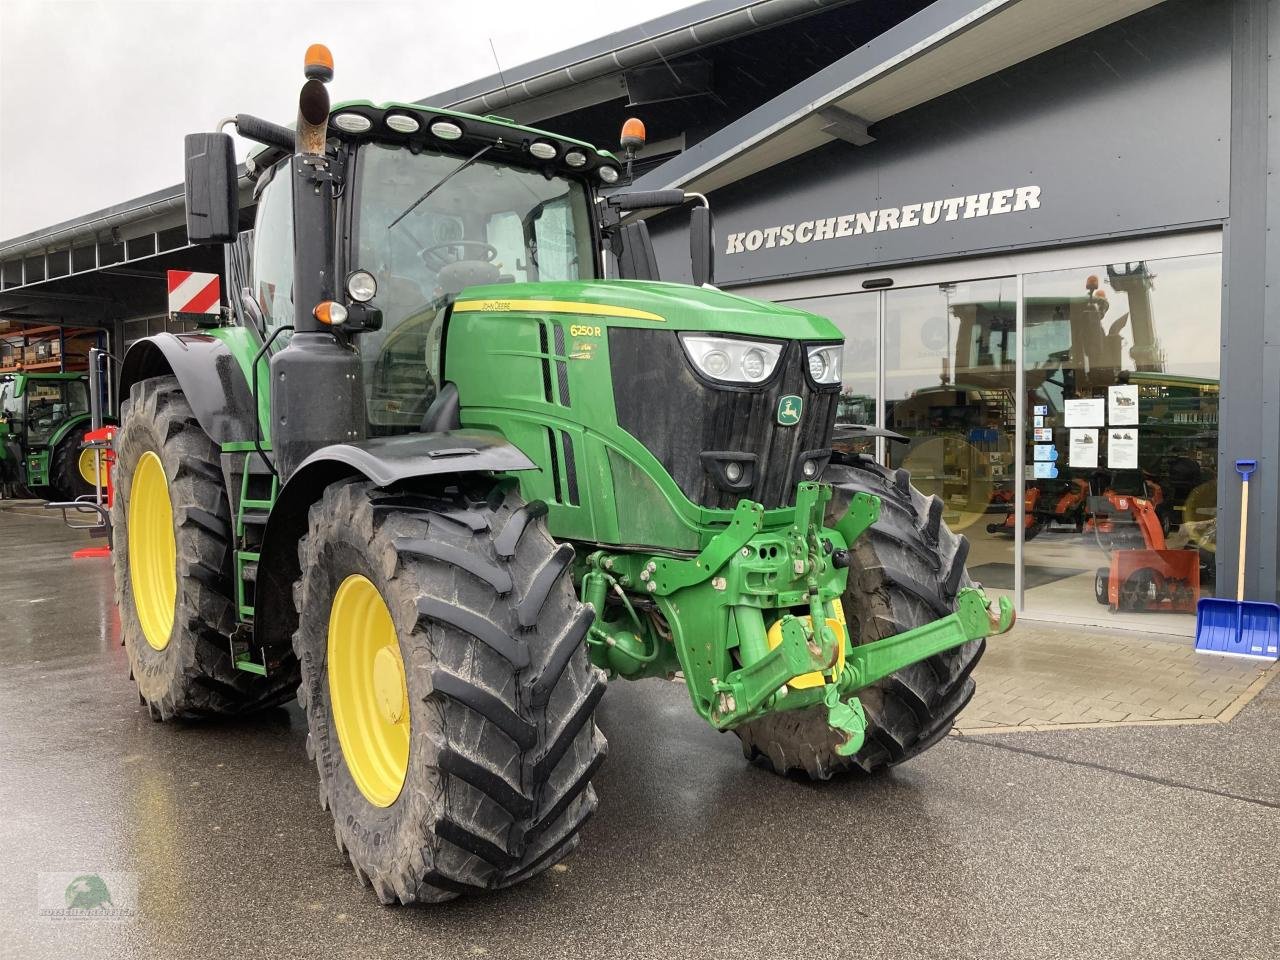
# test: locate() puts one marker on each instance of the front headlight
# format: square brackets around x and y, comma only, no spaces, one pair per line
[824,362]
[730,360]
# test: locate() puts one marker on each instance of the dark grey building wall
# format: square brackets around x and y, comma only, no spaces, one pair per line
[1124,131]
[1250,413]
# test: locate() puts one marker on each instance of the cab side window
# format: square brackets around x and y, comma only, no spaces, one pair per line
[273,250]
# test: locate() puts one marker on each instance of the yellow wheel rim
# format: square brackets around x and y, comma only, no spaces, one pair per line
[368,690]
[88,466]
[153,551]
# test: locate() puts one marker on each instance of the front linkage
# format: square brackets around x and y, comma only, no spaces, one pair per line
[739,618]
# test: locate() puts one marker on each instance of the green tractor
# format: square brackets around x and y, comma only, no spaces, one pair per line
[441,480]
[43,420]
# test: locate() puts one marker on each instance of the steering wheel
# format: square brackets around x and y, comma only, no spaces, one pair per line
[433,256]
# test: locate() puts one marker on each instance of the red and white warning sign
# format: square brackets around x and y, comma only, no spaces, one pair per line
[191,292]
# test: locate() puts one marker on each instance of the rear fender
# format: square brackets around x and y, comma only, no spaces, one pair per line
[387,462]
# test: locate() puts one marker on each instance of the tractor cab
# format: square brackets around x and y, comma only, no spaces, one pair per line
[424,225]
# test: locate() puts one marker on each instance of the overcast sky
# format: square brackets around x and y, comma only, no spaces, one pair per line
[96,96]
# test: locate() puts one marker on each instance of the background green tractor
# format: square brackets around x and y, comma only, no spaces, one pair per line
[441,480]
[43,420]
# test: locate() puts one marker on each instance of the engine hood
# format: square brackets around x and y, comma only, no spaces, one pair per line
[648,304]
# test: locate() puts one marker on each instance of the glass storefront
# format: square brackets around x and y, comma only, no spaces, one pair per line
[1122,379]
[1106,510]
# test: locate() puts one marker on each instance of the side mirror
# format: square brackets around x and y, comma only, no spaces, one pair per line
[213,209]
[702,245]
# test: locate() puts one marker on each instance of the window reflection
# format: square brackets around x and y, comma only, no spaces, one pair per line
[857,316]
[1122,383]
[950,352]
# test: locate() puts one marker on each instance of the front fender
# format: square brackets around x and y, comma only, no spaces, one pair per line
[211,377]
[386,462]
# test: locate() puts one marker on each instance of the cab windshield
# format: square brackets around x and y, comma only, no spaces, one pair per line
[486,224]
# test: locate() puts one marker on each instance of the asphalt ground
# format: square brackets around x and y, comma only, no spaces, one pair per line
[1128,842]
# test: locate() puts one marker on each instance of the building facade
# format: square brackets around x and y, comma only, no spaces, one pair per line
[1043,227]
[1030,270]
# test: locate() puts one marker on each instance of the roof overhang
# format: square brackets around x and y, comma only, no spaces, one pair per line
[946,46]
[595,72]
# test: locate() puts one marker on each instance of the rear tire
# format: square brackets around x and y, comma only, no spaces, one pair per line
[905,572]
[65,479]
[500,694]
[188,673]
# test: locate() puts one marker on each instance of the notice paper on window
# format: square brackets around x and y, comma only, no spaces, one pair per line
[1122,449]
[1122,405]
[1090,412]
[1084,449]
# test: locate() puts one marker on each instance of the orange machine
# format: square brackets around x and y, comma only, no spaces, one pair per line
[1153,579]
[1043,506]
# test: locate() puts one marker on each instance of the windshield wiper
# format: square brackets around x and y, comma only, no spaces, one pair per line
[441,182]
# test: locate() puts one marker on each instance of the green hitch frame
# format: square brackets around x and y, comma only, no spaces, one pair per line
[754,621]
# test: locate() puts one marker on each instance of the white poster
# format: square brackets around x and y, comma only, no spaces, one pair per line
[1122,449]
[1044,434]
[1122,405]
[1086,413]
[1084,449]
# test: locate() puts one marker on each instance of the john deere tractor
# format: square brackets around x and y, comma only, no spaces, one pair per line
[43,420]
[440,479]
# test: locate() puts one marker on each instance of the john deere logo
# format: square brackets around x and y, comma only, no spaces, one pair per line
[789,410]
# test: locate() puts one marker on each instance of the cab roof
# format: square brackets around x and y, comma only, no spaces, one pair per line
[465,133]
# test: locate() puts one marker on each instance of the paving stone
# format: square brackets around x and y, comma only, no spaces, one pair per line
[1047,674]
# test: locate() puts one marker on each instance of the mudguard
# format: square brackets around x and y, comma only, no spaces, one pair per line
[68,426]
[210,376]
[386,461]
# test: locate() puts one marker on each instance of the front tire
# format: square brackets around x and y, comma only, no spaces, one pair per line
[481,776]
[905,572]
[172,555]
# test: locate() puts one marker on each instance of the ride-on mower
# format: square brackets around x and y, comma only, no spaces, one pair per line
[441,479]
[43,420]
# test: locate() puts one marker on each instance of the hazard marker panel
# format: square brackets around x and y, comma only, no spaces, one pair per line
[191,292]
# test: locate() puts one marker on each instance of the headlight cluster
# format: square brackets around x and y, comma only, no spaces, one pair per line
[730,360]
[824,362]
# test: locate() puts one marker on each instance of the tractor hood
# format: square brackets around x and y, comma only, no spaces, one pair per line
[643,303]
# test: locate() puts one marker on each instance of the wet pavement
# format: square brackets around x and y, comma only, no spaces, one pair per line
[1130,842]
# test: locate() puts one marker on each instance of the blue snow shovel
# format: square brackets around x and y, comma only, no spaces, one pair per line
[1239,628]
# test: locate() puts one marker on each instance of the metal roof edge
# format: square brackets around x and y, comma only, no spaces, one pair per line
[156,203]
[676,20]
[931,27]
[620,49]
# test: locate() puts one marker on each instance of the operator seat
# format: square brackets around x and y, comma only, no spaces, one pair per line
[455,277]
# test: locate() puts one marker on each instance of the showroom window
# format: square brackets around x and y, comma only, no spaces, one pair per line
[1122,474]
[1115,396]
